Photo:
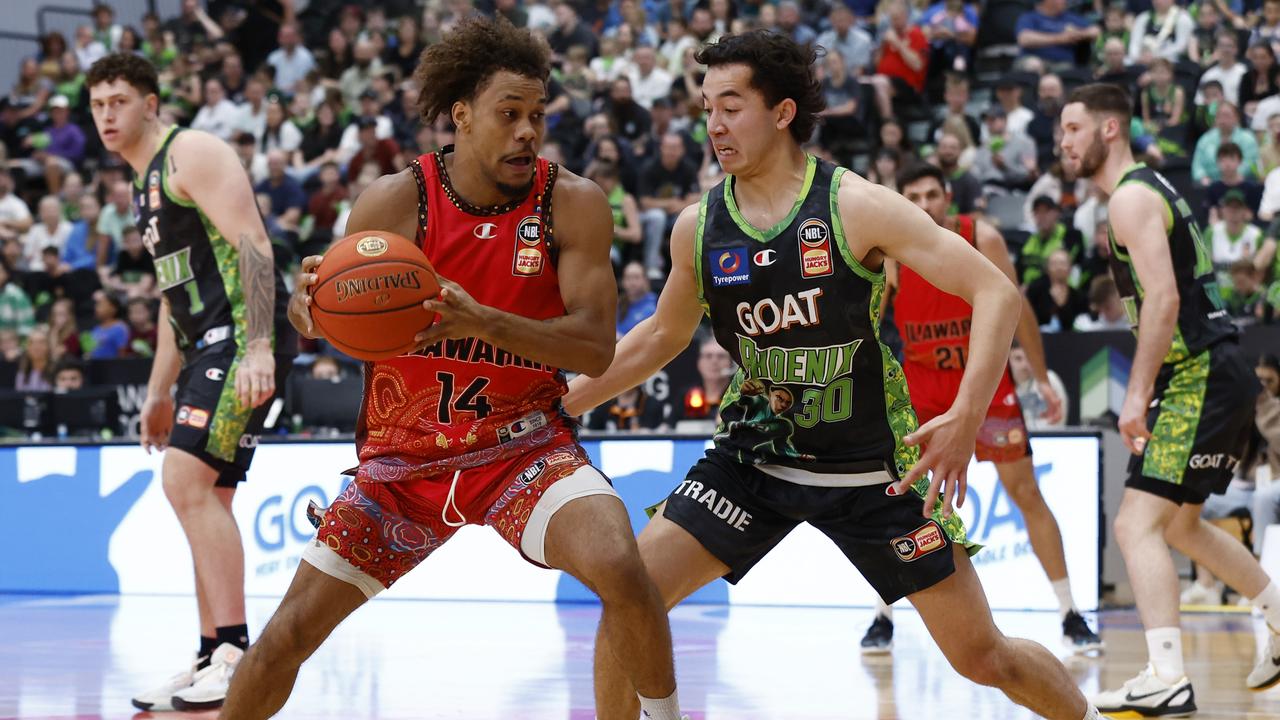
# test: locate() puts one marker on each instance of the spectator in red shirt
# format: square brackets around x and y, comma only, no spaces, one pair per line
[902,60]
[323,207]
[375,157]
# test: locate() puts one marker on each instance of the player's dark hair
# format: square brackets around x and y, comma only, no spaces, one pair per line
[134,70]
[1267,360]
[918,171]
[1105,99]
[780,69]
[458,67]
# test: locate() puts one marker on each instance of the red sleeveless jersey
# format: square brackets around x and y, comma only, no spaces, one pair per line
[935,338]
[464,403]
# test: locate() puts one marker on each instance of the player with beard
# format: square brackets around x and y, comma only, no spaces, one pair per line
[1188,407]
[785,258]
[469,430]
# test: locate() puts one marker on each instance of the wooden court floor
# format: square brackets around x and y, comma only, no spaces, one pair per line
[81,658]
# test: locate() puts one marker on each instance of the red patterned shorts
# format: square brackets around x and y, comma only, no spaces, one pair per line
[376,532]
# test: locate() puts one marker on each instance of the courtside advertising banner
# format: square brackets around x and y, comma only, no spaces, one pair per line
[95,519]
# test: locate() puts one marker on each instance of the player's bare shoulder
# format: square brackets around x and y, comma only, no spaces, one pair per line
[579,209]
[390,204]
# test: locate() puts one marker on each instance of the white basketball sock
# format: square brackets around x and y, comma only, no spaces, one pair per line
[1164,647]
[883,609]
[1062,589]
[1092,714]
[667,708]
[1268,601]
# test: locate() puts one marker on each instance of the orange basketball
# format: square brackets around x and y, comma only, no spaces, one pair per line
[368,295]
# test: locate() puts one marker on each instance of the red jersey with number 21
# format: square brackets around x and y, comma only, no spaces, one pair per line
[465,403]
[935,339]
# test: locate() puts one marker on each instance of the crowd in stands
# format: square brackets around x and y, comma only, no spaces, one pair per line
[319,104]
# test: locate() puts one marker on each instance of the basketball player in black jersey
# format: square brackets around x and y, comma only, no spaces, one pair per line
[786,259]
[1188,407]
[224,338]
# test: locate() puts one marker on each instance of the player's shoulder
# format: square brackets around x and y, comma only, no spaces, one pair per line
[1136,196]
[857,196]
[390,204]
[571,189]
[198,144]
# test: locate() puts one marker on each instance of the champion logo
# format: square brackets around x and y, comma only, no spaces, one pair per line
[764,258]
[215,374]
[485,231]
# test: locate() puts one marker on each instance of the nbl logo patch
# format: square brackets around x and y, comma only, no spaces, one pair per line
[729,266]
[528,257]
[530,474]
[927,538]
[815,248]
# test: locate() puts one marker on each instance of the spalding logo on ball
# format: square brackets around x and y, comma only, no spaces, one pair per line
[368,295]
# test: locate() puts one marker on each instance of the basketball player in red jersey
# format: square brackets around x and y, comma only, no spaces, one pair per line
[935,333]
[469,430]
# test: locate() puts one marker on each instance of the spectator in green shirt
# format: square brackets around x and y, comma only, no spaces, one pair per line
[16,312]
[1050,235]
[1226,128]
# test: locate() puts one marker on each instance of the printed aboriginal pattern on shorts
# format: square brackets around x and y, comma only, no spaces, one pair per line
[509,515]
[380,543]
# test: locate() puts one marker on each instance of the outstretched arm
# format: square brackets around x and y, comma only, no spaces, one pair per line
[656,340]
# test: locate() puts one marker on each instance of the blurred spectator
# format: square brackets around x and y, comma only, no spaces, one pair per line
[1260,80]
[1050,236]
[571,31]
[110,336]
[287,198]
[1055,301]
[84,246]
[291,60]
[88,49]
[955,97]
[610,64]
[35,366]
[68,375]
[63,330]
[1050,97]
[134,274]
[72,190]
[1033,405]
[668,183]
[59,147]
[326,367]
[632,411]
[1163,31]
[1233,237]
[852,42]
[50,280]
[902,60]
[1226,68]
[15,217]
[884,168]
[233,78]
[52,231]
[630,119]
[16,311]
[218,116]
[117,214]
[791,24]
[1113,66]
[1203,37]
[53,45]
[337,56]
[105,29]
[374,158]
[842,92]
[1115,26]
[254,163]
[1049,35]
[370,110]
[1105,306]
[966,190]
[1164,102]
[1226,128]
[627,232]
[1267,29]
[10,346]
[715,370]
[637,302]
[357,78]
[323,204]
[952,29]
[1243,297]
[1229,178]
[142,328]
[893,136]
[1009,98]
[648,81]
[193,26]
[320,139]
[404,53]
[1059,186]
[1005,159]
[253,109]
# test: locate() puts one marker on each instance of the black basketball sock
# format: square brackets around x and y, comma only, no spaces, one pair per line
[207,646]
[237,635]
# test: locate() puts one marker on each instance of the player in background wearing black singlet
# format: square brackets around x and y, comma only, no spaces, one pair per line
[817,426]
[1188,407]
[224,338]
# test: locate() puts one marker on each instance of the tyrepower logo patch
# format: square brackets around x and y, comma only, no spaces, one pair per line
[920,542]
[729,266]
[815,248]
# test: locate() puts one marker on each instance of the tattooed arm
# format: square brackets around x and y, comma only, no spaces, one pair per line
[205,170]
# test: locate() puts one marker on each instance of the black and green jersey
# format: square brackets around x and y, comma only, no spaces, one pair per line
[816,390]
[1202,319]
[196,268]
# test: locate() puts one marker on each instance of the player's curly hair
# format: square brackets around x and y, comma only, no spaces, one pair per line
[459,66]
[136,71]
[780,69]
